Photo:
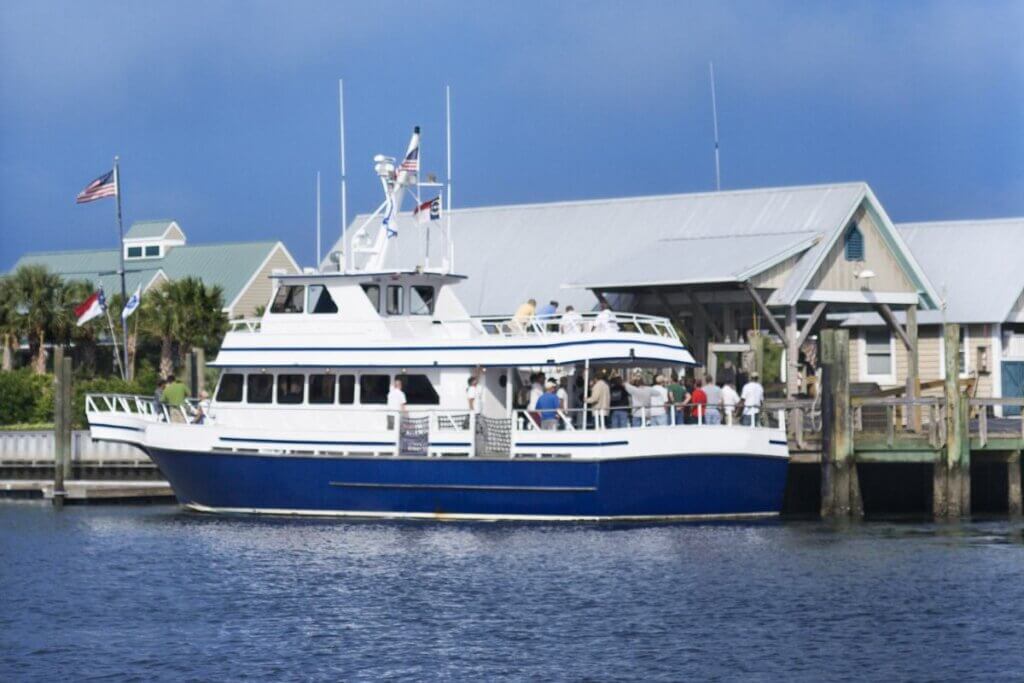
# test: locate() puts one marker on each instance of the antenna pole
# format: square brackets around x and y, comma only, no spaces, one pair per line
[318,252]
[448,152]
[714,115]
[344,198]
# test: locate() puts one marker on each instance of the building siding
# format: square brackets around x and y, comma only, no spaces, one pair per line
[259,290]
[836,273]
[776,276]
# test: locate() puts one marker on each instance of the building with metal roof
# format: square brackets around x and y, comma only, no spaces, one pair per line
[776,257]
[157,252]
[977,267]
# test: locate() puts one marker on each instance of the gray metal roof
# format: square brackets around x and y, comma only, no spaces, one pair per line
[148,229]
[511,253]
[976,266]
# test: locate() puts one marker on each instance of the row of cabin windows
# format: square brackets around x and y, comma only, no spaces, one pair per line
[323,389]
[316,299]
[148,251]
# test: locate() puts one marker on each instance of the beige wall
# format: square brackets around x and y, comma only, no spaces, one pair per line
[776,276]
[931,357]
[259,290]
[836,273]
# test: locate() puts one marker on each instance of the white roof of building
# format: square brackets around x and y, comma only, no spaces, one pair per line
[977,266]
[512,253]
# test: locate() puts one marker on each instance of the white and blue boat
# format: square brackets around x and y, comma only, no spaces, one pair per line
[300,424]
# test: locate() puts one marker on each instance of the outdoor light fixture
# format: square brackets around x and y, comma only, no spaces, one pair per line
[865,274]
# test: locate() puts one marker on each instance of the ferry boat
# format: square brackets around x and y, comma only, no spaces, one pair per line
[299,423]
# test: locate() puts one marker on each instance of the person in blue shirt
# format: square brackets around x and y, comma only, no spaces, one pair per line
[547,315]
[547,406]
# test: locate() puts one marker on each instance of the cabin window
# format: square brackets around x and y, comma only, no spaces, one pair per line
[395,299]
[290,388]
[374,388]
[230,389]
[853,243]
[421,300]
[321,389]
[419,391]
[289,299]
[878,352]
[373,294]
[320,300]
[346,389]
[260,388]
[134,252]
[152,250]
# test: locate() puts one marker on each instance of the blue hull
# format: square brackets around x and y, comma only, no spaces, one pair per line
[649,487]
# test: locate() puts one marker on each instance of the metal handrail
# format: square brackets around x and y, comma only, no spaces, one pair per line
[586,323]
[525,420]
[245,325]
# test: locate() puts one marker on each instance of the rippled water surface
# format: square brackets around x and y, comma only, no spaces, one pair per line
[149,593]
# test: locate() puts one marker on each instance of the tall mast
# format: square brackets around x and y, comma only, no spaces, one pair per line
[448,183]
[714,116]
[318,221]
[343,264]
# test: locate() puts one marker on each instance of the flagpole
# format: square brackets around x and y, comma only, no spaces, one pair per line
[124,292]
[343,265]
[448,153]
[318,221]
[113,337]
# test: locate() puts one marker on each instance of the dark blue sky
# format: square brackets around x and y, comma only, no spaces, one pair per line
[222,112]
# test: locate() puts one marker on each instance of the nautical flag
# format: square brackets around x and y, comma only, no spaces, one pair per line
[411,163]
[428,211]
[104,186]
[93,307]
[133,302]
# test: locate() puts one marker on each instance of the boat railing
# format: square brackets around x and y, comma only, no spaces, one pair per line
[144,407]
[577,323]
[245,325]
[587,419]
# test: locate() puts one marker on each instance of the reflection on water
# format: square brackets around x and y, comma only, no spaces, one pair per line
[155,592]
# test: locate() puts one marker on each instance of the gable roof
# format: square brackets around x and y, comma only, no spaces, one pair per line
[228,265]
[511,253]
[149,229]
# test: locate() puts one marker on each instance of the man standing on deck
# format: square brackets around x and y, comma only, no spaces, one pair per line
[640,397]
[714,394]
[753,397]
[396,397]
[174,397]
[475,395]
[547,406]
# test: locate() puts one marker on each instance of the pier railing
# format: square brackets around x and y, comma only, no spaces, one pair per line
[510,326]
[989,428]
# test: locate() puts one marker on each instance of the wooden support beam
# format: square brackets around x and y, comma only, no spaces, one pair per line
[952,477]
[913,371]
[809,325]
[1013,484]
[702,313]
[840,488]
[894,325]
[761,306]
[792,354]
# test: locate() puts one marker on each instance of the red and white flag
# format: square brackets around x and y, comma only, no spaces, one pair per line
[428,211]
[93,307]
[104,186]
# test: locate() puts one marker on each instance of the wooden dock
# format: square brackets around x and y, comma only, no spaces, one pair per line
[91,490]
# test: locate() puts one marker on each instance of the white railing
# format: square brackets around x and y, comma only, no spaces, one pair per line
[244,325]
[144,407]
[586,323]
[584,419]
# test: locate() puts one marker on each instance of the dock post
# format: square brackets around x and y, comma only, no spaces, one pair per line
[200,370]
[59,417]
[69,417]
[840,487]
[1013,484]
[952,473]
[190,373]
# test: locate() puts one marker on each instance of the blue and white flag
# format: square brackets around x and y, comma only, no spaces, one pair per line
[133,302]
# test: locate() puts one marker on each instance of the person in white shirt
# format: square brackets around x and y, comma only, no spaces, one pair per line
[475,395]
[753,397]
[658,399]
[605,320]
[396,397]
[563,395]
[571,321]
[639,398]
[730,399]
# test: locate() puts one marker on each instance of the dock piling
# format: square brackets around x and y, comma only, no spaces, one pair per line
[61,424]
[840,486]
[951,488]
[1013,475]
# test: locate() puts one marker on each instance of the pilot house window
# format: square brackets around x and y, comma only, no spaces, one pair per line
[260,388]
[421,300]
[289,299]
[395,300]
[320,300]
[373,294]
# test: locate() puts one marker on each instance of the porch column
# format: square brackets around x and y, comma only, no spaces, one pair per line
[792,354]
[913,372]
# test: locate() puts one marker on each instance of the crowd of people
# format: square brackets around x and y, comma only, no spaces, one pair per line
[171,393]
[568,321]
[615,401]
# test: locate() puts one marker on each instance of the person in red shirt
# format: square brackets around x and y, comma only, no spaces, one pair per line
[699,400]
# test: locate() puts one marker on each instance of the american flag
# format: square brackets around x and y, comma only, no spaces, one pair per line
[411,163]
[104,186]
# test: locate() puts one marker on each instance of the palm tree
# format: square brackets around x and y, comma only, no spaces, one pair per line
[159,319]
[38,292]
[185,313]
[10,321]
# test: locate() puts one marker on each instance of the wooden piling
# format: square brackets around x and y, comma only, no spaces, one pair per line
[951,487]
[60,415]
[913,370]
[69,418]
[1013,476]
[840,488]
[200,370]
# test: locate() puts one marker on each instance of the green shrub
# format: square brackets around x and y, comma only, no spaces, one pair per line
[99,385]
[25,397]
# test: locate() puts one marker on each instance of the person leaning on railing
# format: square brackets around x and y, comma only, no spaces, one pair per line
[547,407]
[600,398]
[714,398]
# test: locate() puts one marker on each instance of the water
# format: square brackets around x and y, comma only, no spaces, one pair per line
[155,593]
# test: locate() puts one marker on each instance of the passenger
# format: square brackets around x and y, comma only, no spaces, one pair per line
[475,395]
[752,397]
[659,399]
[563,394]
[548,312]
[605,320]
[730,399]
[174,397]
[699,401]
[619,403]
[536,391]
[714,396]
[203,408]
[571,321]
[600,398]
[524,316]
[547,406]
[727,375]
[679,396]
[158,398]
[396,397]
[640,398]
[689,387]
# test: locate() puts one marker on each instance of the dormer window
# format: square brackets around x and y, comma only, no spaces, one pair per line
[152,250]
[143,251]
[134,252]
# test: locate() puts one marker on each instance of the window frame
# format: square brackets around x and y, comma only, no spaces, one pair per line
[220,383]
[400,300]
[362,394]
[311,305]
[433,298]
[411,397]
[852,229]
[129,249]
[290,298]
[146,248]
[277,389]
[334,388]
[248,392]
[354,389]
[865,375]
